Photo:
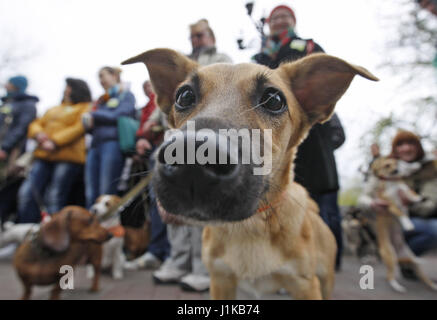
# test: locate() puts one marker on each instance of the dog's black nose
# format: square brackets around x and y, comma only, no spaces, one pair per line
[207,156]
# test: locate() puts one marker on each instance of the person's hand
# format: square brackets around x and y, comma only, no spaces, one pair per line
[379,205]
[41,137]
[404,198]
[147,125]
[142,146]
[48,145]
[3,155]
[87,120]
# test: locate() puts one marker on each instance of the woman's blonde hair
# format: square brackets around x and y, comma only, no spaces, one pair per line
[115,71]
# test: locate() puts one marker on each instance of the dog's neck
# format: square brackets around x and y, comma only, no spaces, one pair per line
[382,178]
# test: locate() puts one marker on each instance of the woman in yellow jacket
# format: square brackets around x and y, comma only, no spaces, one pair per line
[60,155]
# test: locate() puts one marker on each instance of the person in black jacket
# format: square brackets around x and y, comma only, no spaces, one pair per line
[17,111]
[315,166]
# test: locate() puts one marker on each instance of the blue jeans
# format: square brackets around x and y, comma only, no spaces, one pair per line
[159,245]
[103,169]
[330,213]
[49,185]
[424,236]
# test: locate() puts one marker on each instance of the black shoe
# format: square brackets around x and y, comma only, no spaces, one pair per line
[408,273]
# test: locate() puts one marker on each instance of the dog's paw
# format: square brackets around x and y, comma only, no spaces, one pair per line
[94,289]
[397,286]
[90,272]
[406,223]
[433,286]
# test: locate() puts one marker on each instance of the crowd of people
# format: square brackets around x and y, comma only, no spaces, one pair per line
[77,144]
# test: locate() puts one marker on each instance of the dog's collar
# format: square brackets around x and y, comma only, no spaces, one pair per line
[389,179]
[271,205]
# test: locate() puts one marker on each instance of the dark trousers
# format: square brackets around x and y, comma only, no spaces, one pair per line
[159,245]
[330,213]
[8,200]
[424,236]
[49,184]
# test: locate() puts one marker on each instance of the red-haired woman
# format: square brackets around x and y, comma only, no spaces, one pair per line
[406,146]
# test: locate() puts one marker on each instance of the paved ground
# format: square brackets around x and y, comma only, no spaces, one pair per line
[139,285]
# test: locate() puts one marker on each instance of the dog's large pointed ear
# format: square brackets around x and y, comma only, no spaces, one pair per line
[318,81]
[55,234]
[167,69]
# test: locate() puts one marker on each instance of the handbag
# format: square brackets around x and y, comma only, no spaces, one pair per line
[127,129]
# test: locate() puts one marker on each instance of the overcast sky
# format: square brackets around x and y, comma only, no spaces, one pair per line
[74,38]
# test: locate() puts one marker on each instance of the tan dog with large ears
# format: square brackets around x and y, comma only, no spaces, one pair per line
[263,230]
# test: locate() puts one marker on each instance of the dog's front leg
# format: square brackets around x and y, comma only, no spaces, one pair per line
[27,291]
[118,260]
[56,292]
[96,261]
[223,285]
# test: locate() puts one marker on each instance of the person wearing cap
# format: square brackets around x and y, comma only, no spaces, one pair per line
[283,44]
[105,160]
[406,146]
[185,266]
[315,166]
[59,156]
[17,111]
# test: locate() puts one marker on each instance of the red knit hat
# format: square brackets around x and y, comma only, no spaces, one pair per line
[282,7]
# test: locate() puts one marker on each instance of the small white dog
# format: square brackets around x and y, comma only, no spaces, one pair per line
[15,233]
[113,256]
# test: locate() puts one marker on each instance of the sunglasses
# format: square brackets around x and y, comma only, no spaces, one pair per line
[199,35]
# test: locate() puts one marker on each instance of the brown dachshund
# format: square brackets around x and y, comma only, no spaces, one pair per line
[71,236]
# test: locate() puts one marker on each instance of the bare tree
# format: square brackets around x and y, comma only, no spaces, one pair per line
[410,54]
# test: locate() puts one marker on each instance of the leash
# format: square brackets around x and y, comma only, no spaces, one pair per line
[271,205]
[128,198]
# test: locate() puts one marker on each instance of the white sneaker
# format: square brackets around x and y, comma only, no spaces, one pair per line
[195,282]
[146,261]
[8,251]
[168,274]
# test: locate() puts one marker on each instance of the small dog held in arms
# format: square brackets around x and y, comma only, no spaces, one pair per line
[387,184]
[262,230]
[73,235]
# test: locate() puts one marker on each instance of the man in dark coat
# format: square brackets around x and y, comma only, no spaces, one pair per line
[315,166]
[17,111]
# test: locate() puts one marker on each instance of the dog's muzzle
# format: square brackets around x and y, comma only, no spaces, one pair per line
[200,175]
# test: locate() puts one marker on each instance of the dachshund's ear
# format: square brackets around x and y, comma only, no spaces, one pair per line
[55,234]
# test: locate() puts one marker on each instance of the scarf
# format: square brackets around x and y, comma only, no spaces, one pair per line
[274,42]
[110,93]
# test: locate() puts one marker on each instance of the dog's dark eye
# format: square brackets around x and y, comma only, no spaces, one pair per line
[185,98]
[273,101]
